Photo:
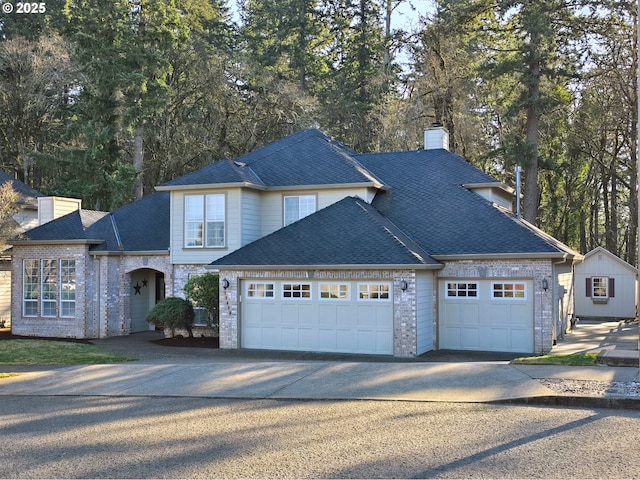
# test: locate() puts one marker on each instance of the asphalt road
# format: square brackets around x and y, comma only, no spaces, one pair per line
[136,437]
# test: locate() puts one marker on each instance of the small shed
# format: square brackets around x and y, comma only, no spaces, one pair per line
[605,286]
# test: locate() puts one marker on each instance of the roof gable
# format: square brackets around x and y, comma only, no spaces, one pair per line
[590,256]
[306,158]
[347,233]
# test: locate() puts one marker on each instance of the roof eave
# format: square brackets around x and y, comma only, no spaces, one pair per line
[502,256]
[328,267]
[209,186]
[132,253]
[328,186]
[27,243]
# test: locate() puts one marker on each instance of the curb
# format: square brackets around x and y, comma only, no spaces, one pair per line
[614,403]
[612,358]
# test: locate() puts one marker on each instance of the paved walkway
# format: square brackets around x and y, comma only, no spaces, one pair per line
[173,371]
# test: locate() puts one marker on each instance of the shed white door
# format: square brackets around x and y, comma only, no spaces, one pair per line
[319,316]
[486,315]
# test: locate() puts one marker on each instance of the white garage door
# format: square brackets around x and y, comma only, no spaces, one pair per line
[486,315]
[319,316]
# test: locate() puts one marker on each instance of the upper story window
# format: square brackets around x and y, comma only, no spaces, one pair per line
[297,207]
[204,220]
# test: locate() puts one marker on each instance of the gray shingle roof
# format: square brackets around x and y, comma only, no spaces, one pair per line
[140,226]
[349,232]
[28,196]
[308,157]
[429,203]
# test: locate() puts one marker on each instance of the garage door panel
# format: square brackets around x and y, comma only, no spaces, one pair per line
[289,337]
[486,315]
[450,337]
[327,340]
[521,340]
[469,338]
[272,312]
[497,314]
[495,339]
[327,316]
[344,323]
[469,314]
[519,315]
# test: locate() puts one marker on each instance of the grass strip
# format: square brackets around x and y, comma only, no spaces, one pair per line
[47,352]
[572,360]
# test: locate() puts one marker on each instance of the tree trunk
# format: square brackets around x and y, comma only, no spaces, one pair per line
[138,160]
[533,135]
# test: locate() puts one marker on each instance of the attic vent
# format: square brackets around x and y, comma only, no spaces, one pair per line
[240,164]
[436,137]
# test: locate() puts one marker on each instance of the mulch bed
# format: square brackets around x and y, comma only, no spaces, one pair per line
[194,342]
[5,334]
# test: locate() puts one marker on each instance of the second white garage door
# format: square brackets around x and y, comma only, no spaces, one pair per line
[486,315]
[319,316]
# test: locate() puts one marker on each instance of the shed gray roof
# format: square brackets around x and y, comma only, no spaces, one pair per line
[349,232]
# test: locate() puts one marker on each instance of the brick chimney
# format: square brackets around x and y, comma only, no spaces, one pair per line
[436,137]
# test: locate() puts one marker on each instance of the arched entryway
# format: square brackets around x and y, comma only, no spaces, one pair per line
[147,289]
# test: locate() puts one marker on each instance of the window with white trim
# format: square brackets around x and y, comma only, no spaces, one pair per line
[204,220]
[600,287]
[67,288]
[334,291]
[509,290]
[374,291]
[297,207]
[296,290]
[49,288]
[462,290]
[260,290]
[30,287]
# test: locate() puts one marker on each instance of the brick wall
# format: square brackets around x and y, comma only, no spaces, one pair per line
[533,269]
[404,308]
[103,286]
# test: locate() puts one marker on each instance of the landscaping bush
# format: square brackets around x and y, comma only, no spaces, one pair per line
[204,291]
[172,312]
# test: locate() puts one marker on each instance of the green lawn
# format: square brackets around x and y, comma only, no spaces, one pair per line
[574,359]
[48,352]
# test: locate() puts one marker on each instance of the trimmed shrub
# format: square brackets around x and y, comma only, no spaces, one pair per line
[172,312]
[204,291]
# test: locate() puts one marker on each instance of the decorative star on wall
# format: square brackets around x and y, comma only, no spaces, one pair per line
[137,288]
[144,282]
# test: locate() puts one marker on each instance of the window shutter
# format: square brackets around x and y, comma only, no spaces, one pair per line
[612,287]
[588,287]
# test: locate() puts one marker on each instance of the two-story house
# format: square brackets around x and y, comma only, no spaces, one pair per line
[319,248]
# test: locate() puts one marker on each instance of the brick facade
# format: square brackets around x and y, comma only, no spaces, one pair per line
[533,269]
[404,309]
[103,289]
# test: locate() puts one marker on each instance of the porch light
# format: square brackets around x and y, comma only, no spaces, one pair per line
[545,284]
[403,285]
[225,283]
